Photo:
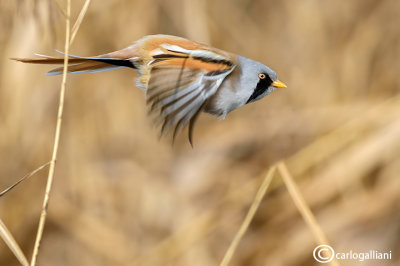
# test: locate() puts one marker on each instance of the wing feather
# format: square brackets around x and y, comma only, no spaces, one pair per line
[181,81]
[176,105]
[169,83]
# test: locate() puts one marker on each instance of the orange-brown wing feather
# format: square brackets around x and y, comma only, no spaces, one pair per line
[180,80]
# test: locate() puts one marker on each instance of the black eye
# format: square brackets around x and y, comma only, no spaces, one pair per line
[262,76]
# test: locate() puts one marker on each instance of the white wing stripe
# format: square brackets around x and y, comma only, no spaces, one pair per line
[194,53]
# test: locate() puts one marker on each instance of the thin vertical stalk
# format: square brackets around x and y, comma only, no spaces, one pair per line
[249,217]
[50,177]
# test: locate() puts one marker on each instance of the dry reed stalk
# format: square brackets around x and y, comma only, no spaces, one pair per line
[50,177]
[195,230]
[12,244]
[79,20]
[59,6]
[23,179]
[68,42]
[5,233]
[303,208]
[249,217]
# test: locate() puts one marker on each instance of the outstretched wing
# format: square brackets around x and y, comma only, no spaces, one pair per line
[181,81]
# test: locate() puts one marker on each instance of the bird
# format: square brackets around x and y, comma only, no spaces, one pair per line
[181,78]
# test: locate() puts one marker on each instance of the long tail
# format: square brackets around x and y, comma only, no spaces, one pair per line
[78,64]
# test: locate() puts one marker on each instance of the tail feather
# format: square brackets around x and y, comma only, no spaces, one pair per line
[78,64]
[84,67]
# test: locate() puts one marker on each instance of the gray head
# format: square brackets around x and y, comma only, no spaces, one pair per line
[258,78]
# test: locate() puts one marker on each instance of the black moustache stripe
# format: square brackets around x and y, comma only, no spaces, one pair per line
[262,86]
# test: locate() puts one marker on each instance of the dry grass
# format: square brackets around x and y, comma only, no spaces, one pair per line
[303,208]
[12,244]
[50,177]
[249,217]
[122,197]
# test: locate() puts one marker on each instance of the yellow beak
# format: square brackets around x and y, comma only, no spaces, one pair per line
[279,84]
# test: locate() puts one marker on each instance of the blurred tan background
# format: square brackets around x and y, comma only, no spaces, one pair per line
[122,196]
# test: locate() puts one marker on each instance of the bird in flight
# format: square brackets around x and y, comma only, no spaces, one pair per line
[181,78]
